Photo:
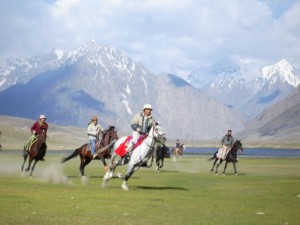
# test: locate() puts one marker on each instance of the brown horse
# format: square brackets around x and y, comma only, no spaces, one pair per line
[35,152]
[103,150]
[178,152]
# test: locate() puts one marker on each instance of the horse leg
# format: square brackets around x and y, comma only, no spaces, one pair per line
[218,164]
[162,163]
[104,164]
[214,164]
[83,163]
[152,161]
[131,169]
[225,167]
[157,163]
[25,158]
[111,168]
[33,166]
[29,165]
[234,167]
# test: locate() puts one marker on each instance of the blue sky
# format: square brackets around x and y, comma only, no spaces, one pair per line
[174,36]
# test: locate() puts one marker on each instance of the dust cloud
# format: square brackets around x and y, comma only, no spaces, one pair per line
[52,173]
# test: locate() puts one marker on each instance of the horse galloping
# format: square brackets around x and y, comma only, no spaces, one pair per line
[161,152]
[138,158]
[103,150]
[35,152]
[230,157]
[178,152]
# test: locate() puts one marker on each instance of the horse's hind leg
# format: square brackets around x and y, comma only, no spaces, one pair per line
[218,164]
[83,163]
[212,169]
[25,158]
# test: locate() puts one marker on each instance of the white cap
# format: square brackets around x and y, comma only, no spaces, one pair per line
[147,106]
[42,117]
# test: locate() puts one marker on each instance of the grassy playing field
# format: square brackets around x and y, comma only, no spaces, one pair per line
[267,191]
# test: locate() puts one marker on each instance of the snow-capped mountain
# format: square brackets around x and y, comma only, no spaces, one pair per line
[246,86]
[70,87]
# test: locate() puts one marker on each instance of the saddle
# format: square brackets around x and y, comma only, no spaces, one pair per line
[97,145]
[121,150]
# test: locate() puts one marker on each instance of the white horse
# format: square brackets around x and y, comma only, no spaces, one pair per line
[139,157]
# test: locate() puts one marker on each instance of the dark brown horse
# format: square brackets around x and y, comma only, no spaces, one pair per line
[36,152]
[103,150]
[230,157]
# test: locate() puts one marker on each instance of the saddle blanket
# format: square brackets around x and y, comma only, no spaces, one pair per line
[121,149]
[222,153]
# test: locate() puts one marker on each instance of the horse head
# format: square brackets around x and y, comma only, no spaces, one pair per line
[41,138]
[109,135]
[158,133]
[239,145]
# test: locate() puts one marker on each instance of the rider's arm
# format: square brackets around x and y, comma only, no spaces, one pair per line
[135,127]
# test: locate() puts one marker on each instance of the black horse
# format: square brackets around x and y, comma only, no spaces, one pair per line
[230,157]
[161,152]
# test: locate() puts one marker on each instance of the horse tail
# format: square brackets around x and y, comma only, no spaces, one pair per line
[73,155]
[214,156]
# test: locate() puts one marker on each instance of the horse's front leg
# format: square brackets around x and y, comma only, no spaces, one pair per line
[29,164]
[225,167]
[130,170]
[104,164]
[234,167]
[33,166]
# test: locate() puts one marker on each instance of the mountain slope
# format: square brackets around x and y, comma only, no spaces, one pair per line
[280,122]
[245,86]
[100,80]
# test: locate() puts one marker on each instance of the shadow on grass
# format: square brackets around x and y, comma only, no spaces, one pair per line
[162,188]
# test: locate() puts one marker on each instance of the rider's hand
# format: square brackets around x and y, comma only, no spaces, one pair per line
[138,129]
[33,131]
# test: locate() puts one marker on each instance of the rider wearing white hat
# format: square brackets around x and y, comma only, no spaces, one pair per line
[141,124]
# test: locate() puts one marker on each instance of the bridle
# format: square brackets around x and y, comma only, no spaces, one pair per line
[158,138]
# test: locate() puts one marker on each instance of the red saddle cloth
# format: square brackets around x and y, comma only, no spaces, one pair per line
[121,149]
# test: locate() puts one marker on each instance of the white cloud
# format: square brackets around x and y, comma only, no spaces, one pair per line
[172,36]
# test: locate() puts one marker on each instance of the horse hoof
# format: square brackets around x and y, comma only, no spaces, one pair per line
[224,174]
[217,174]
[236,174]
[120,175]
[104,184]
[124,187]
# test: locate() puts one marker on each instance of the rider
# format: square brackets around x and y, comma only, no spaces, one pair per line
[177,145]
[36,129]
[141,124]
[227,142]
[94,130]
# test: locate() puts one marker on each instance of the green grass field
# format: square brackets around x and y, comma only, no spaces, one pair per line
[267,191]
